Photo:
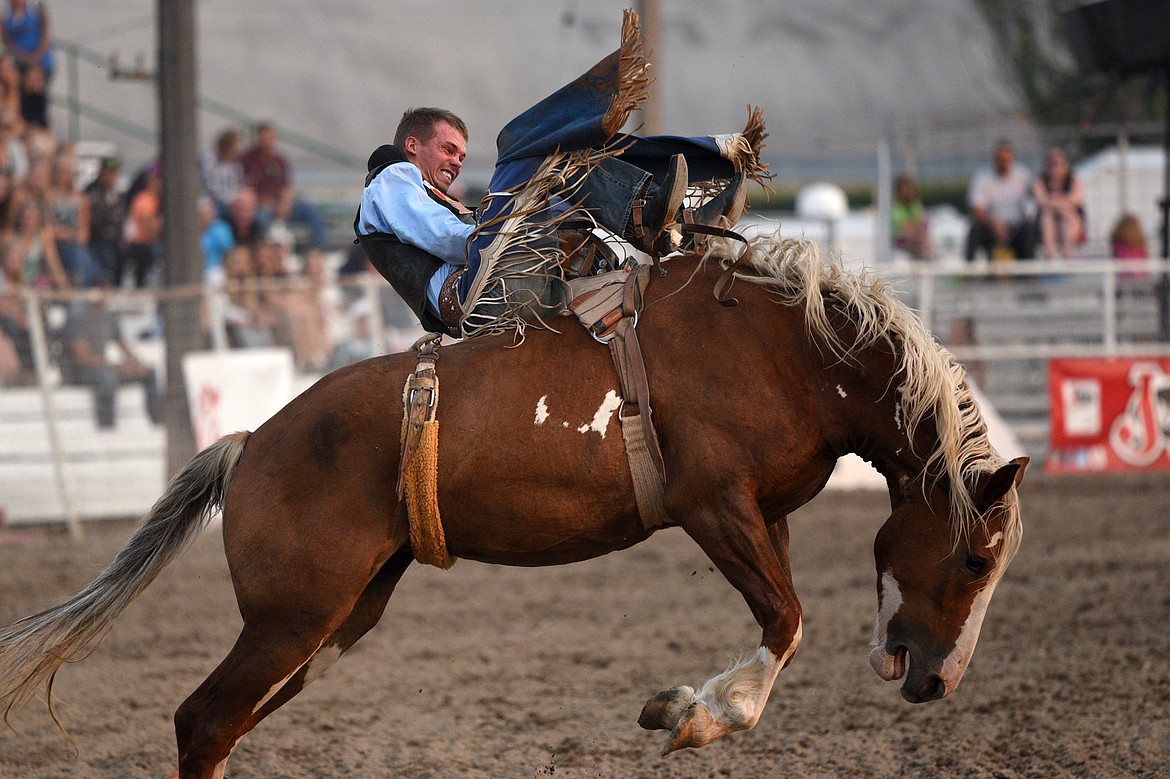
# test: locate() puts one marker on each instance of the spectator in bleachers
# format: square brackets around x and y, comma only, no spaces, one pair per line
[28,37]
[269,173]
[13,314]
[248,320]
[220,171]
[90,328]
[39,142]
[294,308]
[1128,242]
[70,209]
[107,221]
[7,205]
[245,224]
[1060,202]
[357,345]
[9,85]
[13,153]
[1001,225]
[144,226]
[216,240]
[36,248]
[908,219]
[9,360]
[35,186]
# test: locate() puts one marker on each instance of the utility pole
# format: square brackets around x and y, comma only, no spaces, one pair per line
[651,23]
[182,255]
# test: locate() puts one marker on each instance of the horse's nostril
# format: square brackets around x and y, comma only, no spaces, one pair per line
[937,690]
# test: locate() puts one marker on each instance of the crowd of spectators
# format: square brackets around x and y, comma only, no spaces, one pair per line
[1015,214]
[58,236]
[249,210]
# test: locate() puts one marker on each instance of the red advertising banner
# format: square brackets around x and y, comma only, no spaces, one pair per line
[1108,415]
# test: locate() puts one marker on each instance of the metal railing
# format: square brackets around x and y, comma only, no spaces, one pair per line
[75,54]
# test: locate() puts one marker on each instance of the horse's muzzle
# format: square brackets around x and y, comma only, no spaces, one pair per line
[920,686]
[929,687]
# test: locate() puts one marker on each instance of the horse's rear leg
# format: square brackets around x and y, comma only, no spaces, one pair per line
[366,613]
[274,659]
[267,653]
[756,563]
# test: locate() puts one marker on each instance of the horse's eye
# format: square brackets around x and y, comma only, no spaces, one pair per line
[976,565]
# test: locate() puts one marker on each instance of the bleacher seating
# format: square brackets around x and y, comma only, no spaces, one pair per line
[112,473]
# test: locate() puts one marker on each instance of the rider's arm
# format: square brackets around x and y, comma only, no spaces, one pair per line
[396,202]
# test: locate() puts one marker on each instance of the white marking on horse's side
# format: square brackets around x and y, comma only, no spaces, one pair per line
[601,418]
[541,411]
[564,424]
[276,687]
[841,392]
[736,697]
[320,662]
[955,665]
[889,601]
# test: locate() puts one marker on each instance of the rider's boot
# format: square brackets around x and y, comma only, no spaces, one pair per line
[726,208]
[723,210]
[651,217]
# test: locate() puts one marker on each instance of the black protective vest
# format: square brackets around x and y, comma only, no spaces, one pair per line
[407,267]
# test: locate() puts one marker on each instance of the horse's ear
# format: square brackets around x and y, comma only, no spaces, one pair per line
[993,487]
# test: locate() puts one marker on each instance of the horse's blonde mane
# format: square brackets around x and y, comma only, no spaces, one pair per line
[934,384]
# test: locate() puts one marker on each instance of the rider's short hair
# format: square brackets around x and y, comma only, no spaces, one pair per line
[421,123]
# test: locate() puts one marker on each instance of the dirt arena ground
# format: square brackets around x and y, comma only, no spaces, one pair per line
[495,672]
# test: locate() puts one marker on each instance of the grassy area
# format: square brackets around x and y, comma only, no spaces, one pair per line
[934,193]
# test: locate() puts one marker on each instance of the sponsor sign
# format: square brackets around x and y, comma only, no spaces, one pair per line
[1109,415]
[235,390]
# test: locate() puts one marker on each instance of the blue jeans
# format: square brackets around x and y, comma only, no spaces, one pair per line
[80,265]
[608,191]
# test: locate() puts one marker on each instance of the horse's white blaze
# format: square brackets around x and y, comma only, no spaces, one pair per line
[955,665]
[604,412]
[736,697]
[889,601]
[841,392]
[320,662]
[993,542]
[541,411]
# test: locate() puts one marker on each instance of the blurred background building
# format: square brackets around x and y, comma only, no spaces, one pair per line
[833,76]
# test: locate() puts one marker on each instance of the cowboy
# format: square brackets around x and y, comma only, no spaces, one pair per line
[430,247]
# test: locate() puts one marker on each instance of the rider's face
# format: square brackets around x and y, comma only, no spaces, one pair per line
[441,158]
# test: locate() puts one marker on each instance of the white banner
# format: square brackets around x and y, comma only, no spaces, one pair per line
[235,390]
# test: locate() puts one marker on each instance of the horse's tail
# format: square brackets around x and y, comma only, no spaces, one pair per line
[33,649]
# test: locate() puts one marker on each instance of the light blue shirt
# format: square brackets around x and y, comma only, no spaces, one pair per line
[396,202]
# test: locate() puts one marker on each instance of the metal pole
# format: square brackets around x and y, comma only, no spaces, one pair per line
[1164,204]
[885,185]
[651,23]
[1109,311]
[1123,171]
[182,254]
[74,97]
[40,351]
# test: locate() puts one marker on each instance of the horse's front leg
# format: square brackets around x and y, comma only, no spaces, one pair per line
[755,561]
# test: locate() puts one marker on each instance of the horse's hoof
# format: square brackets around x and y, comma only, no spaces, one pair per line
[663,710]
[696,728]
